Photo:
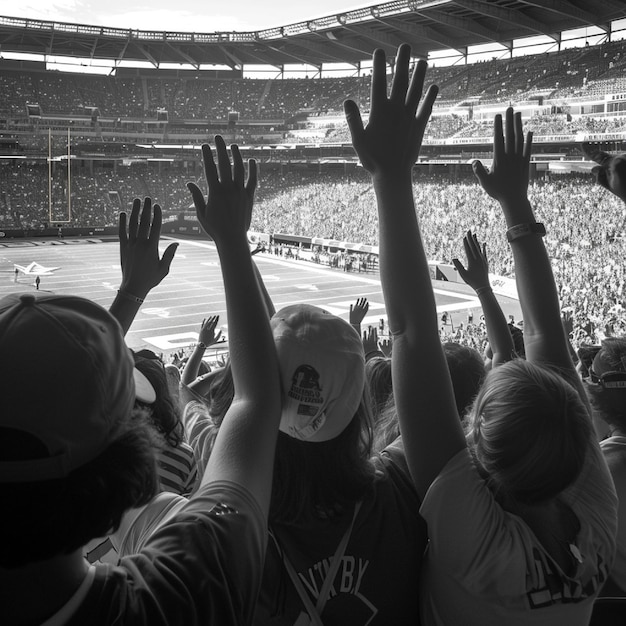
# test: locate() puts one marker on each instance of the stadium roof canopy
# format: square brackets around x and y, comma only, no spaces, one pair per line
[347,37]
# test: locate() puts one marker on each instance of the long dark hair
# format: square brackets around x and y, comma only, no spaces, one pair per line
[318,480]
[164,411]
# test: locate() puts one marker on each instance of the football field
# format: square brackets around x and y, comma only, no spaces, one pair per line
[172,313]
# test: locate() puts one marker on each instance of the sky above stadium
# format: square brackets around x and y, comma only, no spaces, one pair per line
[188,15]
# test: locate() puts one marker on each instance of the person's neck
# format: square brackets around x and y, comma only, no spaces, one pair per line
[38,590]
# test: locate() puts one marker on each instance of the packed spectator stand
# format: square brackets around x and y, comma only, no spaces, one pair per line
[230,449]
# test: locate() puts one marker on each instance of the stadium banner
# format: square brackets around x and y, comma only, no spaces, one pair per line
[256,237]
[61,234]
[182,228]
[503,286]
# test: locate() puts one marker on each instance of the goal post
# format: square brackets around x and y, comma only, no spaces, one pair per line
[52,218]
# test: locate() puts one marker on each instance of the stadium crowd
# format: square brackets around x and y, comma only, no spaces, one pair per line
[191,96]
[322,476]
[586,224]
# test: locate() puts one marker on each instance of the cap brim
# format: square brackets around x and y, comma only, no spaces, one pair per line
[144,391]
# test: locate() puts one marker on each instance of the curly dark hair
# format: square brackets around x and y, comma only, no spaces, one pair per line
[59,516]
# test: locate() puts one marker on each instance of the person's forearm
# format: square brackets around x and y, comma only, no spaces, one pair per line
[247,321]
[401,249]
[202,384]
[422,387]
[498,333]
[190,371]
[269,305]
[125,307]
[250,429]
[543,330]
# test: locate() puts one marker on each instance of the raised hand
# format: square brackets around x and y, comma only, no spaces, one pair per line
[385,346]
[142,269]
[207,334]
[610,171]
[476,275]
[370,342]
[227,210]
[358,311]
[390,143]
[567,319]
[507,180]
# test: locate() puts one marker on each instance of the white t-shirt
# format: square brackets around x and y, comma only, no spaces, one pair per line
[485,567]
[614,450]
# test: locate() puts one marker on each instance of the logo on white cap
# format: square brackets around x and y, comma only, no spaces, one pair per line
[307,392]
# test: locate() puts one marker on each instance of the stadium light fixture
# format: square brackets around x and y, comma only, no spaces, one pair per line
[342,18]
[412,5]
[375,11]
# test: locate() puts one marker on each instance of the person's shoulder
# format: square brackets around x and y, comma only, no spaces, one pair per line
[109,599]
[392,458]
[614,453]
[221,498]
[393,478]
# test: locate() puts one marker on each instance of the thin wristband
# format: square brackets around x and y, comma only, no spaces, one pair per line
[129,296]
[482,290]
[524,230]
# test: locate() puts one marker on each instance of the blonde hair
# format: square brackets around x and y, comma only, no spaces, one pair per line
[529,431]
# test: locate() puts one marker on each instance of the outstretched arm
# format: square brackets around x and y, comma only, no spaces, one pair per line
[358,311]
[476,275]
[388,148]
[610,171]
[370,343]
[244,448]
[206,337]
[269,305]
[142,269]
[507,182]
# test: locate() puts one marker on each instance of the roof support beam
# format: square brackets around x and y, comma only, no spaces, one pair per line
[309,45]
[421,33]
[96,39]
[329,37]
[616,7]
[147,55]
[567,9]
[515,18]
[183,55]
[50,43]
[296,58]
[234,61]
[120,56]
[377,38]
[461,23]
